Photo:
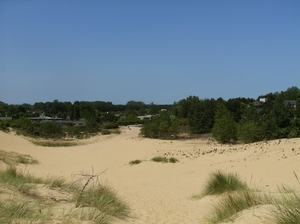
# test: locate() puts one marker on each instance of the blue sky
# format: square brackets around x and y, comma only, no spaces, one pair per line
[150,51]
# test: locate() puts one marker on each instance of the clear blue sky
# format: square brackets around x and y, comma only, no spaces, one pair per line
[150,51]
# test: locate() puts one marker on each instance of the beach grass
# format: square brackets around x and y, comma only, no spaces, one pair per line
[234,202]
[13,158]
[20,202]
[104,199]
[235,196]
[220,182]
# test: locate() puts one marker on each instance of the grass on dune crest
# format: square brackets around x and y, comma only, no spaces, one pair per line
[13,158]
[234,202]
[104,199]
[220,182]
[288,206]
[236,196]
[21,202]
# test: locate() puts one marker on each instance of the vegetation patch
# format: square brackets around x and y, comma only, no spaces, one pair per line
[234,202]
[220,182]
[54,143]
[29,199]
[237,196]
[134,162]
[104,199]
[161,159]
[13,158]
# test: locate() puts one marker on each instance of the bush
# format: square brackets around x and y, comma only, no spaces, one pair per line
[163,126]
[111,126]
[249,132]
[50,130]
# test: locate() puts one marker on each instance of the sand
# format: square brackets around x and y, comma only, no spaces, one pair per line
[161,192]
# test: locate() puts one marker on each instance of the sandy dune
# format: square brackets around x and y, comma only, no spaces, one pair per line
[161,193]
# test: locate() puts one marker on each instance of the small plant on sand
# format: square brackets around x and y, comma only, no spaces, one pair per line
[173,160]
[160,159]
[164,159]
[220,182]
[134,162]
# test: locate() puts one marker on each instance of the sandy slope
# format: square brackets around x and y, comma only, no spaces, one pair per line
[161,193]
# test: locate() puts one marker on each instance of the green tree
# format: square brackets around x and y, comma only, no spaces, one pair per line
[50,130]
[249,129]
[162,126]
[201,116]
[153,109]
[225,128]
[269,128]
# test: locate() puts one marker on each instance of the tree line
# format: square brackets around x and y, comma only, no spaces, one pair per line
[244,119]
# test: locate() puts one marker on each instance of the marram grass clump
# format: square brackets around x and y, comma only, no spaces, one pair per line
[234,202]
[220,182]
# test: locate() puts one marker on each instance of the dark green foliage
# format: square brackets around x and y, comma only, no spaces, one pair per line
[225,128]
[163,126]
[201,116]
[249,128]
[250,131]
[51,130]
[111,126]
[130,122]
[274,118]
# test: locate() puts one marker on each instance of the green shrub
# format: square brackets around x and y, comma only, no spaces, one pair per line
[50,130]
[111,126]
[105,132]
[249,132]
